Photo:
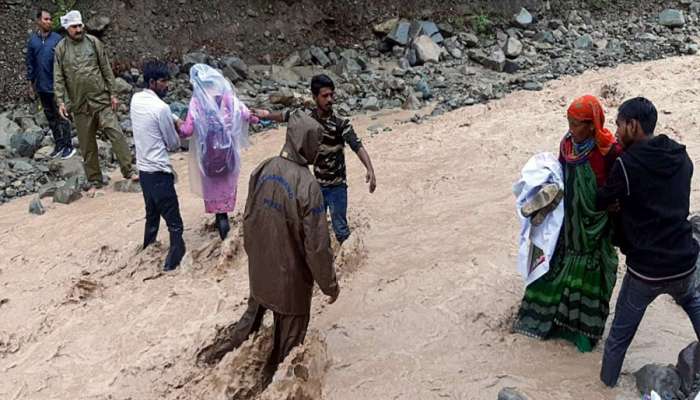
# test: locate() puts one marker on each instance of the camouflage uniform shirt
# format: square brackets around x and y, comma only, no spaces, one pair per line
[329,167]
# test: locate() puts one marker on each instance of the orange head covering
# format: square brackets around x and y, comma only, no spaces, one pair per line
[588,108]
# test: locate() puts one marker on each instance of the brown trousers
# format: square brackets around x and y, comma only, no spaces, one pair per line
[289,332]
[87,125]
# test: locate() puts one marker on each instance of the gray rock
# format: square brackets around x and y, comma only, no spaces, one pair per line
[370,104]
[20,165]
[426,50]
[584,42]
[190,59]
[47,190]
[514,48]
[10,192]
[319,56]
[398,51]
[66,195]
[546,37]
[385,27]
[292,60]
[496,60]
[347,66]
[660,378]
[695,7]
[237,65]
[404,63]
[43,153]
[688,366]
[65,169]
[127,186]
[423,88]
[412,57]
[470,40]
[523,19]
[98,24]
[122,87]
[672,18]
[431,30]
[35,206]
[399,35]
[533,86]
[284,96]
[511,67]
[447,29]
[412,102]
[25,144]
[510,394]
[8,128]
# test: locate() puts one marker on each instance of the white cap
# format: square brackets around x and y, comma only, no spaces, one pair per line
[72,18]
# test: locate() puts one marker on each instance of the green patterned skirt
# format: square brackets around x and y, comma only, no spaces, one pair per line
[572,300]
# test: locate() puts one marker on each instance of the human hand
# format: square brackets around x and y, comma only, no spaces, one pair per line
[372,180]
[260,113]
[115,103]
[62,111]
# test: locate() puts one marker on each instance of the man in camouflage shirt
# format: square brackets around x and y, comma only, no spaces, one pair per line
[329,167]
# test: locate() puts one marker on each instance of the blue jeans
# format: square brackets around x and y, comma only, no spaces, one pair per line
[633,300]
[336,201]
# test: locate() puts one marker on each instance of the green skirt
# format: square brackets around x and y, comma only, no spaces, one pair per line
[571,301]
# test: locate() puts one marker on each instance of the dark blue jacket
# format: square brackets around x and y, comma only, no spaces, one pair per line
[40,61]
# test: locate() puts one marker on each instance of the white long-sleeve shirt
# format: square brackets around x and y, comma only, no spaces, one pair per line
[154,132]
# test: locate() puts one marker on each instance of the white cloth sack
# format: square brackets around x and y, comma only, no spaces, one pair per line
[541,169]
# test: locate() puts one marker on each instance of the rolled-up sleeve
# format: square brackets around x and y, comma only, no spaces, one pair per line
[350,137]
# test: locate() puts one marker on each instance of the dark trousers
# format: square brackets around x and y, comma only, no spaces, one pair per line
[161,201]
[336,202]
[633,300]
[60,128]
[289,332]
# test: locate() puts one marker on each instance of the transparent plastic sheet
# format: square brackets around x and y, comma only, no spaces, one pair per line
[220,130]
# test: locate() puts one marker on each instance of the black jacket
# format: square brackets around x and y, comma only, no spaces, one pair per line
[652,182]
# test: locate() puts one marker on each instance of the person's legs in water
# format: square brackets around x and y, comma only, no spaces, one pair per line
[632,301]
[169,209]
[290,331]
[250,322]
[152,214]
[222,225]
[336,202]
[109,124]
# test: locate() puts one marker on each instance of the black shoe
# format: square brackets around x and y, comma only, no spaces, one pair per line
[222,225]
[67,153]
[176,252]
[57,151]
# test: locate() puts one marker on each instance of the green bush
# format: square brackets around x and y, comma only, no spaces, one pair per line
[481,24]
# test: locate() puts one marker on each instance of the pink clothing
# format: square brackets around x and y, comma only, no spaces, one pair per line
[218,192]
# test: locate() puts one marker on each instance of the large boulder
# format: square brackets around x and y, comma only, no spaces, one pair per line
[236,65]
[385,27]
[27,143]
[400,34]
[8,128]
[122,87]
[67,195]
[190,59]
[688,366]
[523,19]
[663,379]
[514,48]
[672,18]
[319,56]
[426,50]
[66,169]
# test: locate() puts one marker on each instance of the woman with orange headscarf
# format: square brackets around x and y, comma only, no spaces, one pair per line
[571,301]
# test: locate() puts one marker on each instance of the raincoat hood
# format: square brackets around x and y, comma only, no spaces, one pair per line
[304,136]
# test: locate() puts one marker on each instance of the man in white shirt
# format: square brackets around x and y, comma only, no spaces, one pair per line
[155,134]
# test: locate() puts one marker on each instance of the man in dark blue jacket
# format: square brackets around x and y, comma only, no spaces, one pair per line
[40,50]
[650,184]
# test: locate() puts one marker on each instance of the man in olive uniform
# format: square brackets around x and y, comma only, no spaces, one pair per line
[84,87]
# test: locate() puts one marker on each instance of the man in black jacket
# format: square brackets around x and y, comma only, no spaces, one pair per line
[650,183]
